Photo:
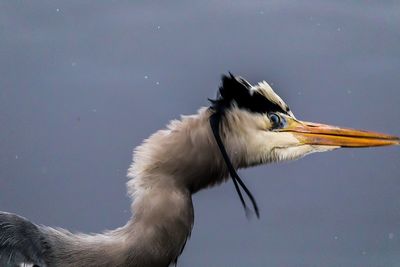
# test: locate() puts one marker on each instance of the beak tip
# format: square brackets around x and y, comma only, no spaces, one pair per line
[396,140]
[322,134]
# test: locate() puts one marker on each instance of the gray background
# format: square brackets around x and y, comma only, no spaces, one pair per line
[84,82]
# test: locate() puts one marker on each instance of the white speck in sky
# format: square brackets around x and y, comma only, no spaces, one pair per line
[157,83]
[146,77]
[349,92]
[391,235]
[338,29]
[336,237]
[94,110]
[73,64]
[16,156]
[158,27]
[364,252]
[318,24]
[58,10]
[262,12]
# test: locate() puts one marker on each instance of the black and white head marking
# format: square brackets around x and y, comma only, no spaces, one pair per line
[258,99]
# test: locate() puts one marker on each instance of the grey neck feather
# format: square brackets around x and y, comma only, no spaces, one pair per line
[155,236]
[167,168]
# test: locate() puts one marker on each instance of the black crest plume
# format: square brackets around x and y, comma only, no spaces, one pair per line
[232,90]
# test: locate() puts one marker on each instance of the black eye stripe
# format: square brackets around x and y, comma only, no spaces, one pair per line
[237,90]
[260,104]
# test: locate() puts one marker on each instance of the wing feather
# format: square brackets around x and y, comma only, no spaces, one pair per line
[21,242]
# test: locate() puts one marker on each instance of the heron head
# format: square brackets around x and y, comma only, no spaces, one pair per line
[257,127]
[253,125]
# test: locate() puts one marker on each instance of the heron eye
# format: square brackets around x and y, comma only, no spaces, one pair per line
[275,119]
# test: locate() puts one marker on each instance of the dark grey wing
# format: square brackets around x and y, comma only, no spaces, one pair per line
[21,242]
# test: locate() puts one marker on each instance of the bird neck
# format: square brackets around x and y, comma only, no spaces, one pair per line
[162,222]
[184,156]
[167,169]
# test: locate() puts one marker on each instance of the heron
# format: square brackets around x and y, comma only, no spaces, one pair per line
[246,125]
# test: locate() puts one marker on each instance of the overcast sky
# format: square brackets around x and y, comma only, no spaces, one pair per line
[84,82]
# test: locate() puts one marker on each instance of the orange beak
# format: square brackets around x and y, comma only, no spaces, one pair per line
[327,135]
